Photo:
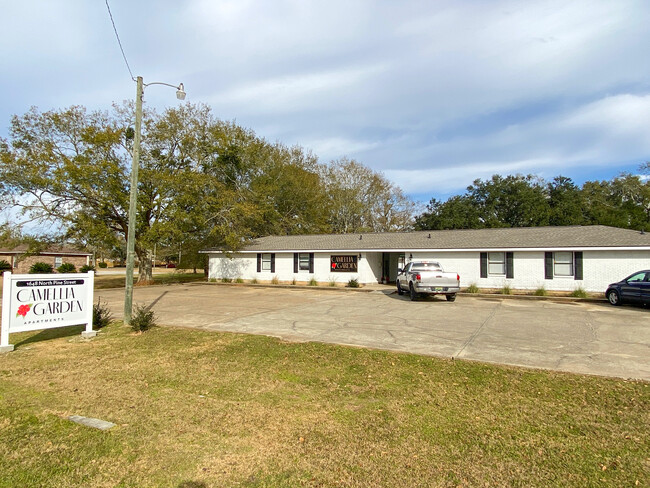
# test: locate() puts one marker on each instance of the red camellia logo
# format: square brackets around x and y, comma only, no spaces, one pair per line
[23,309]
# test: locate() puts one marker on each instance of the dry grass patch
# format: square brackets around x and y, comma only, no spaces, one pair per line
[236,410]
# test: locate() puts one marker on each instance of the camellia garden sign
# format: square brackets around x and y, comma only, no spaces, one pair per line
[44,301]
[343,264]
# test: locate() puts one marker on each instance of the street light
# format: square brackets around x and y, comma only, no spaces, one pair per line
[133,198]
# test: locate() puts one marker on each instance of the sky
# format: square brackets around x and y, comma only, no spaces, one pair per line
[431,93]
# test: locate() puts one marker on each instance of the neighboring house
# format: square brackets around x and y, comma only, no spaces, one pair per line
[556,258]
[21,260]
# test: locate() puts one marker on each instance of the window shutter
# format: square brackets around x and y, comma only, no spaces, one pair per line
[311,262]
[548,265]
[510,271]
[577,268]
[273,263]
[259,263]
[484,264]
[295,262]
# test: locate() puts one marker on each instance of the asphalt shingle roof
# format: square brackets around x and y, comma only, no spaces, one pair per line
[596,236]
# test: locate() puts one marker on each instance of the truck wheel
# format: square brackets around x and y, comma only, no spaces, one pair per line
[613,297]
[451,298]
[412,292]
[399,289]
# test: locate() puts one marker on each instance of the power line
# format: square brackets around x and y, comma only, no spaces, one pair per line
[118,41]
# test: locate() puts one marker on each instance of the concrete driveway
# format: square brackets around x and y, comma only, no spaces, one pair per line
[589,338]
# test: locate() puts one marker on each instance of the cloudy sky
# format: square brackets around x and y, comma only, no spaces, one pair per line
[432,93]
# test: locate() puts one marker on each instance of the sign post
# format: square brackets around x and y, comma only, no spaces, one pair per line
[45,301]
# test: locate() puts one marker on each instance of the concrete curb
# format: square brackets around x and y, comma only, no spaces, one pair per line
[392,290]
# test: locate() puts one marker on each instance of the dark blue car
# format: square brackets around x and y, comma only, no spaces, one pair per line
[634,288]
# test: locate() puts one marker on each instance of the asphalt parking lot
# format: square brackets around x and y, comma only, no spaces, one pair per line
[579,337]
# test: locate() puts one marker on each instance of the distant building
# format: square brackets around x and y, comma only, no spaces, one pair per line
[21,260]
[556,258]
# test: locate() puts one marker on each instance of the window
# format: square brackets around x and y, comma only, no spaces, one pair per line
[497,263]
[636,278]
[303,261]
[563,264]
[266,262]
[58,261]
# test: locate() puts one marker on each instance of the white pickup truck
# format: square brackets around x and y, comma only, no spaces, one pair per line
[427,277]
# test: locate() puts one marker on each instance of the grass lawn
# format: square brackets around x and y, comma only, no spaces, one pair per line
[116,281]
[202,409]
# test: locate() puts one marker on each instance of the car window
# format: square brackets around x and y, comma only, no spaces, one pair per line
[426,267]
[637,277]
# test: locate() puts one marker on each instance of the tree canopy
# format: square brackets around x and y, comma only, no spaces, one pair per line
[528,201]
[203,182]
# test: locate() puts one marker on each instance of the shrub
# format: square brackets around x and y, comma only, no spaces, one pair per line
[226,280]
[254,281]
[353,283]
[67,268]
[103,265]
[332,281]
[506,290]
[472,288]
[101,315]
[579,293]
[86,268]
[293,281]
[142,319]
[37,268]
[312,282]
[540,292]
[4,266]
[239,280]
[275,280]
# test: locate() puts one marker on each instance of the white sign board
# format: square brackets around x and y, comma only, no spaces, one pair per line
[44,301]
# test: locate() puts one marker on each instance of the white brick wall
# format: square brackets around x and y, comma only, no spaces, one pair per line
[244,265]
[599,269]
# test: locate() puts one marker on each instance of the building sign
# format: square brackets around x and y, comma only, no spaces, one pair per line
[343,264]
[45,301]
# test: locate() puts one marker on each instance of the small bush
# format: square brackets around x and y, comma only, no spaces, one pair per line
[353,283]
[86,268]
[293,281]
[332,282]
[254,281]
[226,280]
[38,268]
[506,290]
[275,280]
[312,282]
[4,266]
[103,265]
[239,280]
[472,288]
[540,292]
[212,280]
[142,319]
[579,293]
[67,268]
[101,315]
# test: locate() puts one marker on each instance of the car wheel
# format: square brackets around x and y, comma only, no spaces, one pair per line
[412,292]
[613,297]
[399,289]
[451,298]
